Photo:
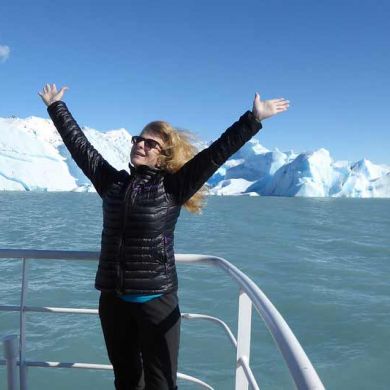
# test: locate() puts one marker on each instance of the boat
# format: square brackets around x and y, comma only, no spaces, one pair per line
[302,372]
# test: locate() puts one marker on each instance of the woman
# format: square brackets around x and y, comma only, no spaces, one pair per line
[138,305]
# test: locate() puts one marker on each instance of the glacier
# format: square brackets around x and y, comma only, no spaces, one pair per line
[34,158]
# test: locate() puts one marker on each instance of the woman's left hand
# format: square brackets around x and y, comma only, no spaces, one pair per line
[263,109]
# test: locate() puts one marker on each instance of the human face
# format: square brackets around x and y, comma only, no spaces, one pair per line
[142,154]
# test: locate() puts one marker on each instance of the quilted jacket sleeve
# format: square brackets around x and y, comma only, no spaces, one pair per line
[191,176]
[90,161]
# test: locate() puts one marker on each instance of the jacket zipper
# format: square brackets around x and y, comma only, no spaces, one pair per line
[165,258]
[125,212]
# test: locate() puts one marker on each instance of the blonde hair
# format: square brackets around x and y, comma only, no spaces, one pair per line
[178,149]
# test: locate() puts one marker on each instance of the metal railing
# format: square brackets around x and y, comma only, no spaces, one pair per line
[300,367]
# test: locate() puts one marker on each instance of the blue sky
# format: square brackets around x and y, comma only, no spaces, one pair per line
[198,64]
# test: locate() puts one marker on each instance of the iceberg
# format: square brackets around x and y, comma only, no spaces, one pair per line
[34,158]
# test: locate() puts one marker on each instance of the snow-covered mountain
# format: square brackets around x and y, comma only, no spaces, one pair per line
[34,158]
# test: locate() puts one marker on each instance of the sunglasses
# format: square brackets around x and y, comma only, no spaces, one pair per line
[148,142]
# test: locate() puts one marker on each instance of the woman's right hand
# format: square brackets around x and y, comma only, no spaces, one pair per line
[50,94]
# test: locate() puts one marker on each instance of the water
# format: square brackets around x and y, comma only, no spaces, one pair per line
[324,263]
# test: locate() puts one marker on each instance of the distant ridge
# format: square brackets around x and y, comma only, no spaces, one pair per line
[34,158]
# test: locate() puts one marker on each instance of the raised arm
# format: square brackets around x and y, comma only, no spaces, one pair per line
[90,161]
[189,179]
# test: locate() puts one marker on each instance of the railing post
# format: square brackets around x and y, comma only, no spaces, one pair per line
[243,338]
[10,344]
[22,338]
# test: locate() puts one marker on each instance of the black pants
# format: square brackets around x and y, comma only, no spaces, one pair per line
[142,341]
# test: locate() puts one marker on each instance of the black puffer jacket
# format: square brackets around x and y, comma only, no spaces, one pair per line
[140,210]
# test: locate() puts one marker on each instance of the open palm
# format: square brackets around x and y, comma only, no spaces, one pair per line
[263,109]
[49,93]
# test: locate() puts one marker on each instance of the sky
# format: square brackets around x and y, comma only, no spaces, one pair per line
[198,63]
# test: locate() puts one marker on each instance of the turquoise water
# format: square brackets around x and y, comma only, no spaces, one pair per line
[324,263]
